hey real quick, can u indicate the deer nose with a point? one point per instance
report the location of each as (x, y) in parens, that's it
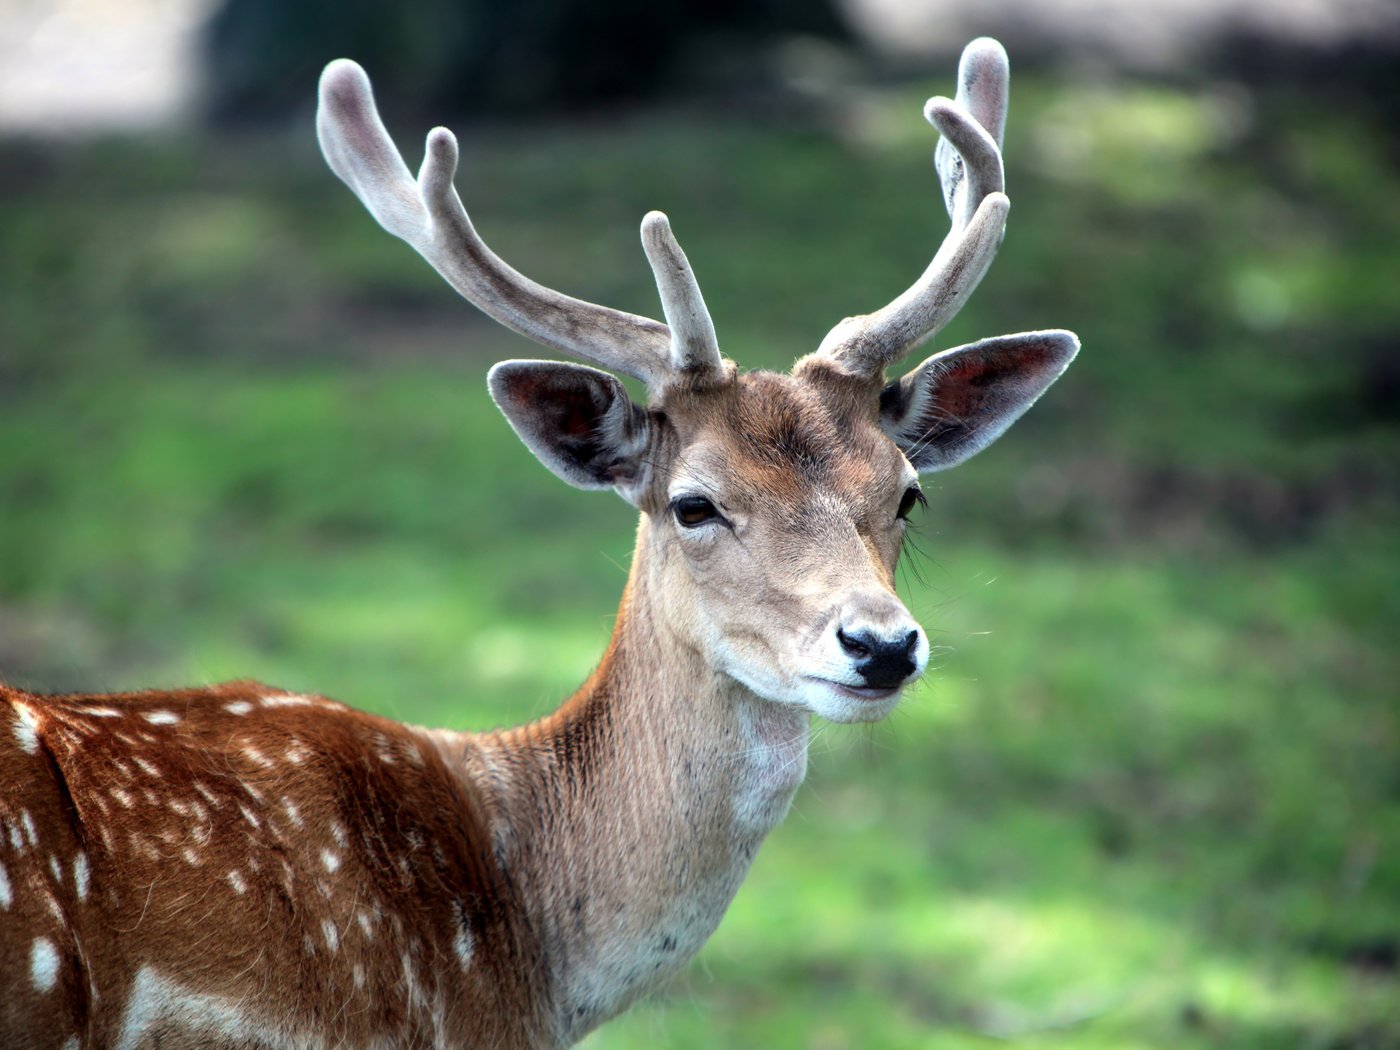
(883, 662)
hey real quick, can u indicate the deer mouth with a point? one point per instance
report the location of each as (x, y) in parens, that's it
(859, 692)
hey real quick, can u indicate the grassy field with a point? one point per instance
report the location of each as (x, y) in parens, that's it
(1150, 795)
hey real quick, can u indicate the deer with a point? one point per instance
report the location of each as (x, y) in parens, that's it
(241, 866)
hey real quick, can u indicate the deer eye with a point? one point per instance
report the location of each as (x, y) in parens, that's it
(693, 511)
(912, 495)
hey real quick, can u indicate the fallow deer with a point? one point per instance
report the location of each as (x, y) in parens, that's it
(239, 866)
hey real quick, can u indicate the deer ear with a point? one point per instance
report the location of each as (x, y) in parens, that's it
(959, 401)
(578, 421)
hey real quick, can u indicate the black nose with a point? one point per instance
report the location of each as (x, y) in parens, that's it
(883, 662)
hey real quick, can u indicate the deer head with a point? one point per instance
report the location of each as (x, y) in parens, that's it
(773, 506)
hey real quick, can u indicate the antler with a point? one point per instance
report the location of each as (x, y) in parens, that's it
(968, 161)
(428, 214)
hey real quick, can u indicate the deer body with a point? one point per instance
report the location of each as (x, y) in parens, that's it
(259, 857)
(266, 854)
(241, 867)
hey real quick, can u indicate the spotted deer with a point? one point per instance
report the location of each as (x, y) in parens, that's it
(236, 866)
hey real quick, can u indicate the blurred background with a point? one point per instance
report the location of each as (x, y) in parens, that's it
(1150, 794)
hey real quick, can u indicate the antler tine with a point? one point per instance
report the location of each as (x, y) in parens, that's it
(968, 161)
(694, 348)
(428, 214)
(984, 77)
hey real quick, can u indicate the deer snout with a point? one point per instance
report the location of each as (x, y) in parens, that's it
(884, 657)
(884, 662)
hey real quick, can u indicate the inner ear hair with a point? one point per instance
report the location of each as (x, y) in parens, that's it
(579, 422)
(959, 401)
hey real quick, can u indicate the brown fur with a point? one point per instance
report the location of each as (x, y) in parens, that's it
(196, 867)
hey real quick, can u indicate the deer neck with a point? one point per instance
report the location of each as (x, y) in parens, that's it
(629, 817)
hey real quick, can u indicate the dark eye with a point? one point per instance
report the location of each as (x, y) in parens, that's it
(692, 511)
(912, 495)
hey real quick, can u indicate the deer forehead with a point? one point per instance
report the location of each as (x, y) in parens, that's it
(793, 442)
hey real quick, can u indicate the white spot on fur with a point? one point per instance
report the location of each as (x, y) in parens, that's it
(338, 833)
(192, 857)
(293, 814)
(27, 729)
(384, 749)
(287, 701)
(410, 979)
(359, 975)
(236, 881)
(238, 707)
(256, 756)
(101, 712)
(296, 752)
(150, 768)
(249, 816)
(331, 935)
(462, 945)
(365, 926)
(56, 868)
(330, 860)
(80, 875)
(205, 793)
(7, 892)
(43, 964)
(122, 796)
(30, 831)
(161, 718)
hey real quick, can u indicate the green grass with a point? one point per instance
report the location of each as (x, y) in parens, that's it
(1149, 796)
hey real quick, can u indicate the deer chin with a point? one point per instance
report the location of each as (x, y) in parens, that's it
(840, 702)
(835, 701)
